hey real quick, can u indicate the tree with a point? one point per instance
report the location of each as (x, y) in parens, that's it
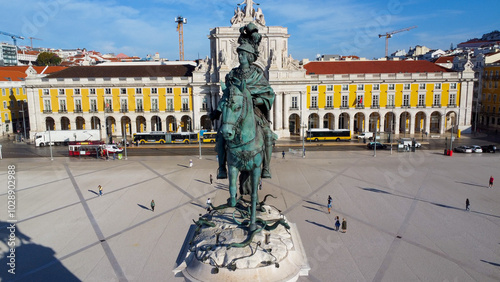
(48, 59)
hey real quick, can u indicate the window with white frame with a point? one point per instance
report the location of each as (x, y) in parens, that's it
(314, 102)
(375, 100)
(407, 86)
(345, 87)
(154, 90)
(44, 91)
(92, 91)
(138, 91)
(184, 90)
(123, 90)
(170, 104)
(376, 87)
(329, 87)
(5, 93)
(61, 91)
(107, 91)
(138, 103)
(421, 86)
(437, 100)
(77, 91)
(78, 105)
(124, 105)
(344, 101)
(359, 100)
(295, 102)
(204, 104)
(421, 100)
(154, 104)
(329, 101)
(5, 104)
(314, 88)
(93, 105)
(47, 107)
(391, 86)
(453, 98)
(62, 105)
(390, 100)
(185, 104)
(109, 105)
(453, 85)
(169, 90)
(406, 100)
(361, 87)
(437, 86)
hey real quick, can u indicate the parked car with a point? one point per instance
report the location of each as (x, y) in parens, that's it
(366, 135)
(489, 148)
(112, 149)
(462, 149)
(377, 144)
(476, 149)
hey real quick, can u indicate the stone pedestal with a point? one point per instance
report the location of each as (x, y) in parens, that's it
(272, 255)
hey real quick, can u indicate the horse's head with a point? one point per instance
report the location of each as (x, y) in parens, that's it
(233, 112)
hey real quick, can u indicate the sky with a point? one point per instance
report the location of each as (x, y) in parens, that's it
(345, 27)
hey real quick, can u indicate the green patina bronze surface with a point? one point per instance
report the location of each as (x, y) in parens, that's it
(244, 141)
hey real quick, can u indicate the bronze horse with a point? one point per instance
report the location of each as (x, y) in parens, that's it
(244, 144)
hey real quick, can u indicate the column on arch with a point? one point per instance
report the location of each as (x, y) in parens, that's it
(286, 109)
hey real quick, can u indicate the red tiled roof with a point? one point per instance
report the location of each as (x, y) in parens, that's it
(360, 67)
(444, 60)
(125, 71)
(11, 75)
(38, 69)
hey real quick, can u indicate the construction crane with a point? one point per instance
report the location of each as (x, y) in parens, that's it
(180, 23)
(388, 35)
(31, 41)
(13, 36)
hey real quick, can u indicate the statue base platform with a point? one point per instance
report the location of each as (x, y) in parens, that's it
(272, 255)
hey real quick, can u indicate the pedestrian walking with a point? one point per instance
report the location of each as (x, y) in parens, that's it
(153, 205)
(491, 181)
(209, 203)
(283, 154)
(329, 205)
(337, 223)
(100, 190)
(211, 179)
(190, 163)
(344, 225)
(467, 205)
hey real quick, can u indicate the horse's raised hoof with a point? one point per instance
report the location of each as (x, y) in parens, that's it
(265, 173)
(232, 201)
(222, 173)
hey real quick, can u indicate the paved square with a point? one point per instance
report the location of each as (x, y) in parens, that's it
(405, 215)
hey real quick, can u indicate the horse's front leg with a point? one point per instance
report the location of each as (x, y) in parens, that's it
(233, 177)
(255, 179)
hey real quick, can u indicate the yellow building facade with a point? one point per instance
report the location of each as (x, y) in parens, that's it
(136, 99)
(489, 113)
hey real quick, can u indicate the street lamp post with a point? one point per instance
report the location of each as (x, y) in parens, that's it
(24, 122)
(303, 141)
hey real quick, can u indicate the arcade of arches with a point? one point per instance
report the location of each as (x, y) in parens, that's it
(397, 123)
(115, 126)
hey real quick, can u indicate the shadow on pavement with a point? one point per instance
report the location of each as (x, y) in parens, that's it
(144, 207)
(320, 225)
(315, 209)
(31, 262)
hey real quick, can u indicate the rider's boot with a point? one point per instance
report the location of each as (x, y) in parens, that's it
(222, 171)
(268, 151)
